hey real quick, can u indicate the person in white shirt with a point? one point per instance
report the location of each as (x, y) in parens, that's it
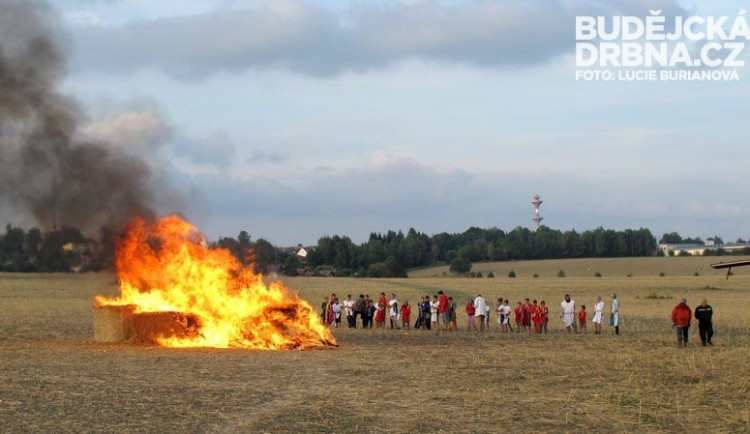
(568, 313)
(506, 316)
(434, 307)
(480, 304)
(336, 307)
(598, 314)
(395, 313)
(615, 313)
(349, 310)
(499, 311)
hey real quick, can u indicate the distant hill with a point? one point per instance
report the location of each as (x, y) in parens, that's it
(588, 267)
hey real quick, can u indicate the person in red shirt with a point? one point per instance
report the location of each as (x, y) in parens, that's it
(536, 317)
(519, 311)
(470, 311)
(528, 310)
(681, 315)
(544, 313)
(380, 313)
(582, 319)
(444, 309)
(405, 314)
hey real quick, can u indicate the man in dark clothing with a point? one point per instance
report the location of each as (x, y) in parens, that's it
(359, 309)
(425, 308)
(703, 314)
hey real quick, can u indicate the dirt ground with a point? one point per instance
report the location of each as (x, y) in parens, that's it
(55, 378)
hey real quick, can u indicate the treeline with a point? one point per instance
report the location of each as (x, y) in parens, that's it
(388, 254)
(64, 249)
(392, 253)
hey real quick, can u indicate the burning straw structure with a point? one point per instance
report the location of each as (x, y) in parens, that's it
(178, 293)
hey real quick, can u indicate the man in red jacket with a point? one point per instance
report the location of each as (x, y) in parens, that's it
(444, 309)
(681, 315)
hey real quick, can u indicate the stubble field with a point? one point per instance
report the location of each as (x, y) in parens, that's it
(55, 378)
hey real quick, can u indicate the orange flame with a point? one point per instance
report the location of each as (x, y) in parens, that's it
(165, 266)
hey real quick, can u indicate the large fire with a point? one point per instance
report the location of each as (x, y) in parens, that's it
(165, 266)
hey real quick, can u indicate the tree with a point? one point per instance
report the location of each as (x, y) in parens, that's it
(696, 240)
(54, 254)
(265, 255)
(671, 238)
(388, 268)
(244, 239)
(460, 265)
(11, 249)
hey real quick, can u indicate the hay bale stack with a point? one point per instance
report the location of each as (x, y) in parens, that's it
(113, 323)
(149, 326)
(121, 324)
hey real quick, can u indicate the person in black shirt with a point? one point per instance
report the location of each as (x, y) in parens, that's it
(425, 309)
(703, 314)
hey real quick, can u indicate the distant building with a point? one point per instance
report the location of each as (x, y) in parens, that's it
(676, 248)
(699, 249)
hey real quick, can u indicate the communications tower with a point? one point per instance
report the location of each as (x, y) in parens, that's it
(536, 202)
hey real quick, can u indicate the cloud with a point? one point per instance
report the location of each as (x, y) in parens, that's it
(715, 209)
(344, 200)
(386, 191)
(215, 149)
(308, 39)
(83, 18)
(136, 132)
(260, 156)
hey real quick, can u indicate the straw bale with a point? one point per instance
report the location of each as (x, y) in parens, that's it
(149, 326)
(113, 323)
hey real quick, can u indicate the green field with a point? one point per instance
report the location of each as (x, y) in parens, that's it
(55, 378)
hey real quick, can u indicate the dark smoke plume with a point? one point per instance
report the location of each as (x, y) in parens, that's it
(44, 169)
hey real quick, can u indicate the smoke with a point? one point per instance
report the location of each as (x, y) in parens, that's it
(45, 170)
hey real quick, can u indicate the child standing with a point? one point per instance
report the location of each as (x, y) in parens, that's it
(453, 306)
(582, 319)
(405, 314)
(544, 312)
(470, 311)
(519, 311)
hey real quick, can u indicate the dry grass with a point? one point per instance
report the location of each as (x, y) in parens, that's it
(608, 267)
(55, 378)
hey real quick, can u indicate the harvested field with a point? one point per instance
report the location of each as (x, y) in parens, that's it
(55, 378)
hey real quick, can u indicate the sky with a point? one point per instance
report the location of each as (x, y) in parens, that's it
(296, 119)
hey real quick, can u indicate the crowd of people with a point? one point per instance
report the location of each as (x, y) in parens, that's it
(438, 312)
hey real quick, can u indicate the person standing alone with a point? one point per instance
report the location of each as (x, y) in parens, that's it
(703, 314)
